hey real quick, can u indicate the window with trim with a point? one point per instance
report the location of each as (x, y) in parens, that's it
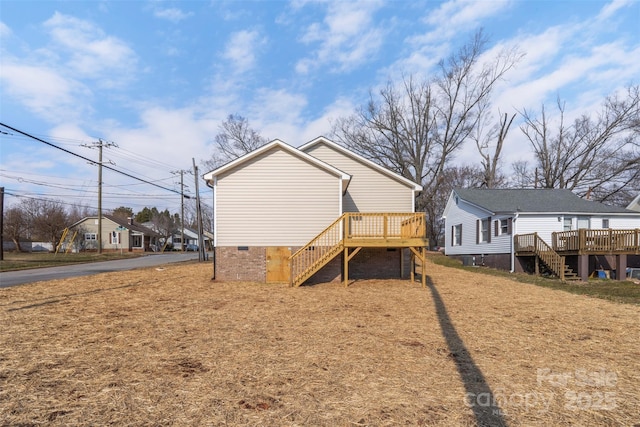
(114, 238)
(90, 236)
(503, 226)
(136, 241)
(484, 231)
(605, 223)
(566, 224)
(456, 235)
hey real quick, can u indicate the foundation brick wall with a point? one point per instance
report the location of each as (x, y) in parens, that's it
(369, 263)
(233, 264)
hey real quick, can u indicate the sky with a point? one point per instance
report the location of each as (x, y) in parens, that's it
(153, 80)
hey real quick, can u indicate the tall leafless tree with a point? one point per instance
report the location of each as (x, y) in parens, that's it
(416, 127)
(236, 138)
(595, 154)
(490, 154)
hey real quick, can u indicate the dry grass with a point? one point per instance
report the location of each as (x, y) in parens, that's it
(170, 347)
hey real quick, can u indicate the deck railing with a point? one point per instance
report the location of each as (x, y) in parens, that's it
(384, 225)
(597, 241)
(532, 243)
(354, 227)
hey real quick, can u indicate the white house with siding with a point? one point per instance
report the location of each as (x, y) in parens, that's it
(274, 200)
(481, 224)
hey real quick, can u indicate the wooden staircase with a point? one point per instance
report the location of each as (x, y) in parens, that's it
(353, 231)
(532, 243)
(309, 259)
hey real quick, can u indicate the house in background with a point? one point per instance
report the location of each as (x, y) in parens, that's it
(309, 214)
(190, 238)
(117, 234)
(515, 229)
(635, 204)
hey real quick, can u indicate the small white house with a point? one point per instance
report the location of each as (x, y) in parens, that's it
(481, 224)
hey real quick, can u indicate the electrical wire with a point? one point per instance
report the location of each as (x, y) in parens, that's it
(87, 159)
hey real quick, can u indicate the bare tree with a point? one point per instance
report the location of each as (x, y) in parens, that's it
(15, 225)
(46, 219)
(235, 139)
(452, 177)
(416, 127)
(491, 159)
(596, 154)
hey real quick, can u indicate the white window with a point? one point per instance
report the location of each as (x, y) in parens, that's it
(605, 223)
(456, 235)
(504, 226)
(484, 230)
(114, 238)
(567, 224)
(90, 236)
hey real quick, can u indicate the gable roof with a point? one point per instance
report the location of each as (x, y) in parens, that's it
(535, 201)
(123, 222)
(635, 204)
(359, 158)
(276, 143)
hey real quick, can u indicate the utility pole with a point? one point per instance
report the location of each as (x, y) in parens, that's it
(198, 215)
(100, 144)
(182, 197)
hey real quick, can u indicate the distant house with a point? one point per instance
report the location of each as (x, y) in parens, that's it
(635, 204)
(515, 229)
(117, 234)
(190, 238)
(314, 213)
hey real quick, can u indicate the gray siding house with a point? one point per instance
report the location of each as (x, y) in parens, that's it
(491, 227)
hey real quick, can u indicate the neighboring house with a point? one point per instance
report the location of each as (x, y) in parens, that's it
(285, 214)
(635, 204)
(117, 234)
(190, 238)
(514, 229)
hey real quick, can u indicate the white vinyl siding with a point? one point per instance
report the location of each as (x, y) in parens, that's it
(275, 199)
(369, 190)
(468, 216)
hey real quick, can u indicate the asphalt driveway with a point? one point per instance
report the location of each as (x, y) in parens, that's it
(12, 278)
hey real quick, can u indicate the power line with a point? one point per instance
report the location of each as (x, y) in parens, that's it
(88, 159)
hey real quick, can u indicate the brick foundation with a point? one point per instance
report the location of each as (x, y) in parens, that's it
(234, 264)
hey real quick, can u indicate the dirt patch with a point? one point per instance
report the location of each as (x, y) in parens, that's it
(171, 347)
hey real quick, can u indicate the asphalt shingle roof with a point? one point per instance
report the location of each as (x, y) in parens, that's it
(534, 200)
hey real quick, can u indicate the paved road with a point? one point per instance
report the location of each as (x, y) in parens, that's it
(12, 278)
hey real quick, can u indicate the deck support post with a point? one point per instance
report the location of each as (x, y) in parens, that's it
(423, 267)
(422, 255)
(536, 268)
(345, 267)
(621, 267)
(583, 267)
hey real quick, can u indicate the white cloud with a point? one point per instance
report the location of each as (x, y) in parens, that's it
(5, 31)
(173, 14)
(91, 54)
(241, 49)
(611, 8)
(44, 91)
(347, 37)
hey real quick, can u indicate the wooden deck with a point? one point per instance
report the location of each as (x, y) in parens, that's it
(579, 244)
(354, 231)
(585, 242)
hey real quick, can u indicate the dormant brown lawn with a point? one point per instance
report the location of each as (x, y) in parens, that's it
(170, 347)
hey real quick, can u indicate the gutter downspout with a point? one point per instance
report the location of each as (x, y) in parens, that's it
(215, 236)
(513, 252)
